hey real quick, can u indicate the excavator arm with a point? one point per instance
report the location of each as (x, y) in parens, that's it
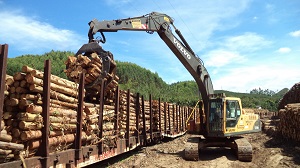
(160, 23)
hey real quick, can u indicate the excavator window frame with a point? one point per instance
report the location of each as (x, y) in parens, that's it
(216, 113)
(233, 112)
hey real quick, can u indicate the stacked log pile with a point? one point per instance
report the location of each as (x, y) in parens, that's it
(23, 108)
(147, 105)
(122, 115)
(292, 96)
(9, 80)
(155, 115)
(170, 117)
(162, 116)
(21, 130)
(92, 129)
(8, 148)
(92, 66)
(289, 124)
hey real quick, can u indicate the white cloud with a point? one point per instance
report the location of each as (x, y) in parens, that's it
(284, 50)
(245, 78)
(246, 42)
(219, 58)
(31, 35)
(295, 33)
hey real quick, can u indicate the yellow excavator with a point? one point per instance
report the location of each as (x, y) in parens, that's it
(222, 119)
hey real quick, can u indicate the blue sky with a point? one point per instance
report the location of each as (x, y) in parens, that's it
(243, 44)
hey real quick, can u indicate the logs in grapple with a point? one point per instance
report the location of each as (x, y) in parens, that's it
(96, 68)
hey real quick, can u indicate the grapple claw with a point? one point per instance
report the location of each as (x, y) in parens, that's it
(90, 48)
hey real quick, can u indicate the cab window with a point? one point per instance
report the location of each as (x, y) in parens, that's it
(215, 111)
(233, 112)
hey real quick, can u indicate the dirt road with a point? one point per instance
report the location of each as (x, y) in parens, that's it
(267, 152)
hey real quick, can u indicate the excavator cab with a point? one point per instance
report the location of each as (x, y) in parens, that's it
(226, 122)
(226, 117)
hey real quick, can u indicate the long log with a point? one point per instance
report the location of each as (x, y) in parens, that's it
(94, 110)
(53, 94)
(30, 125)
(7, 157)
(38, 100)
(29, 117)
(60, 126)
(54, 79)
(5, 152)
(54, 119)
(10, 145)
(35, 109)
(36, 134)
(54, 141)
(62, 89)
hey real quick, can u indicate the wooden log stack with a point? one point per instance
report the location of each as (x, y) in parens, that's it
(9, 80)
(147, 118)
(23, 108)
(92, 66)
(155, 115)
(162, 116)
(171, 112)
(91, 126)
(292, 96)
(122, 115)
(289, 124)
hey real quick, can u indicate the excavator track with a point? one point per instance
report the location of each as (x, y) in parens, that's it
(191, 151)
(243, 149)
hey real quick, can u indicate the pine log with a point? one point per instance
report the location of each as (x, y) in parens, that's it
(30, 125)
(54, 119)
(10, 145)
(29, 117)
(7, 157)
(5, 152)
(5, 137)
(21, 90)
(54, 79)
(36, 134)
(53, 94)
(19, 76)
(60, 126)
(11, 102)
(53, 141)
(15, 133)
(35, 109)
(62, 89)
(9, 80)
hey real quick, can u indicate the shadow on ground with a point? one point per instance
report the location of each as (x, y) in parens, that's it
(289, 147)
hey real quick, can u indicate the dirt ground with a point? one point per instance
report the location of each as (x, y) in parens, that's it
(268, 152)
